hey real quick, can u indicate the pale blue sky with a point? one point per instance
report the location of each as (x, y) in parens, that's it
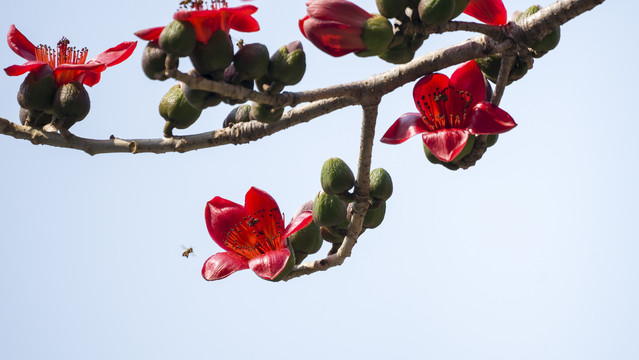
(530, 255)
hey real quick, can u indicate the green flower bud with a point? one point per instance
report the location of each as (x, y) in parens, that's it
(392, 8)
(467, 148)
(433, 159)
(549, 41)
(492, 140)
(265, 113)
(307, 240)
(34, 118)
(381, 184)
(238, 115)
(37, 90)
(398, 55)
(436, 12)
(154, 60)
(252, 60)
(330, 235)
(377, 33)
(177, 111)
(288, 64)
(178, 38)
(201, 99)
(490, 66)
(71, 103)
(460, 6)
(328, 210)
(215, 55)
(374, 217)
(300, 256)
(336, 177)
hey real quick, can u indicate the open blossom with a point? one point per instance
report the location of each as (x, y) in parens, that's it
(492, 12)
(334, 26)
(67, 63)
(450, 110)
(253, 236)
(207, 21)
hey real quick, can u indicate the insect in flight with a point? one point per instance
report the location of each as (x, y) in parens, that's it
(187, 252)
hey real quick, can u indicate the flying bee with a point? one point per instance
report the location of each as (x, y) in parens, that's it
(187, 252)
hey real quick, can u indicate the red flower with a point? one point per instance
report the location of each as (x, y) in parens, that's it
(334, 26)
(67, 63)
(450, 110)
(253, 236)
(491, 12)
(208, 21)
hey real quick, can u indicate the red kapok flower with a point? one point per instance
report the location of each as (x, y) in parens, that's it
(450, 110)
(253, 236)
(492, 12)
(67, 63)
(334, 26)
(208, 21)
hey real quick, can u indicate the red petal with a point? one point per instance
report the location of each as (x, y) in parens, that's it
(222, 265)
(221, 216)
(407, 126)
(20, 44)
(491, 12)
(240, 18)
(269, 265)
(91, 78)
(152, 34)
(446, 144)
(301, 25)
(489, 119)
(66, 73)
(257, 200)
(15, 70)
(339, 11)
(333, 38)
(116, 54)
(426, 86)
(468, 77)
(297, 223)
(205, 22)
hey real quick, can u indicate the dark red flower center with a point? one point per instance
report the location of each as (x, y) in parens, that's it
(203, 5)
(446, 108)
(62, 55)
(256, 234)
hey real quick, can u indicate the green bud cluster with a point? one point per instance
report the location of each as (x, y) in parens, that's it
(43, 102)
(548, 42)
(333, 206)
(216, 60)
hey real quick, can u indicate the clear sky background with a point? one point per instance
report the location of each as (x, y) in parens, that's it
(529, 255)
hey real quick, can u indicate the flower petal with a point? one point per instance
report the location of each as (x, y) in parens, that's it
(66, 73)
(340, 11)
(116, 54)
(489, 119)
(152, 34)
(468, 77)
(492, 12)
(333, 38)
(221, 216)
(20, 44)
(446, 144)
(407, 126)
(297, 223)
(222, 265)
(259, 201)
(425, 88)
(239, 18)
(16, 70)
(269, 265)
(205, 22)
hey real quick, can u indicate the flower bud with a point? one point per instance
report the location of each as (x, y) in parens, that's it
(238, 115)
(37, 90)
(436, 12)
(492, 140)
(377, 33)
(178, 38)
(154, 60)
(549, 41)
(252, 60)
(381, 184)
(328, 210)
(177, 111)
(288, 64)
(490, 66)
(307, 240)
(215, 55)
(392, 8)
(71, 103)
(265, 113)
(374, 216)
(331, 235)
(201, 99)
(34, 118)
(336, 177)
